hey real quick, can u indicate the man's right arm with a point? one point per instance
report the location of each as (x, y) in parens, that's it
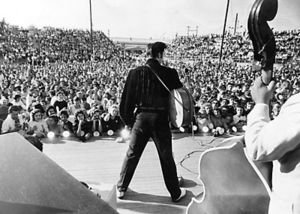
(128, 98)
(270, 140)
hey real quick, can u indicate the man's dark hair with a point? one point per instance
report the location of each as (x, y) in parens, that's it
(64, 113)
(149, 46)
(156, 48)
(13, 108)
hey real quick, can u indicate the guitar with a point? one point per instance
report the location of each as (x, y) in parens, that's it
(233, 184)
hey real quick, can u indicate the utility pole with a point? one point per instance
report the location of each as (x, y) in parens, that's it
(224, 30)
(91, 33)
(189, 29)
(235, 23)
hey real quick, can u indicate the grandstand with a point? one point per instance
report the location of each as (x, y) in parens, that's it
(135, 44)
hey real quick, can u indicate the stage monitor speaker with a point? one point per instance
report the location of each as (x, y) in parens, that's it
(31, 183)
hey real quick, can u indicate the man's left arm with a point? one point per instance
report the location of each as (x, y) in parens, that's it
(174, 80)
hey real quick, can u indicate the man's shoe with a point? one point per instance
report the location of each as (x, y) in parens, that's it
(120, 194)
(183, 193)
(180, 180)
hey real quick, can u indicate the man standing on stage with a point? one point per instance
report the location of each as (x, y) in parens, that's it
(144, 107)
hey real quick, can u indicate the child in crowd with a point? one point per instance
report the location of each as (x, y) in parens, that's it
(112, 121)
(37, 124)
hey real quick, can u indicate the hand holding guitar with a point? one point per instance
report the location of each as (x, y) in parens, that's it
(262, 93)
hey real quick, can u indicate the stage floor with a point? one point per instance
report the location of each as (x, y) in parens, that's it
(99, 161)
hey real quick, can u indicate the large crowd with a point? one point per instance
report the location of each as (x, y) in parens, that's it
(59, 84)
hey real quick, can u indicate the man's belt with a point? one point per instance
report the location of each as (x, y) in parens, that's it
(151, 109)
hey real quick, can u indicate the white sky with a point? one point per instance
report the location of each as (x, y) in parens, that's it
(141, 18)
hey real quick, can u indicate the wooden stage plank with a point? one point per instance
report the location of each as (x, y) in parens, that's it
(100, 161)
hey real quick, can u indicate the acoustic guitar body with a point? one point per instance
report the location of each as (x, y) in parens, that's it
(232, 183)
(181, 107)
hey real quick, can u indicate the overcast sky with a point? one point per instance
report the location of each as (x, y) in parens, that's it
(142, 18)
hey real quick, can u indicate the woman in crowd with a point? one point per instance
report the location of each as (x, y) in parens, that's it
(37, 124)
(64, 123)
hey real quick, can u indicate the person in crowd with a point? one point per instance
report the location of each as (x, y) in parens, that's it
(239, 120)
(275, 110)
(208, 109)
(31, 97)
(203, 121)
(65, 124)
(75, 106)
(248, 107)
(144, 107)
(53, 124)
(97, 123)
(112, 121)
(215, 104)
(18, 102)
(13, 123)
(82, 127)
(37, 124)
(52, 120)
(3, 110)
(50, 111)
(227, 113)
(90, 97)
(85, 105)
(60, 104)
(53, 97)
(218, 122)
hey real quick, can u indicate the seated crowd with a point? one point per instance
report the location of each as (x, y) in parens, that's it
(58, 89)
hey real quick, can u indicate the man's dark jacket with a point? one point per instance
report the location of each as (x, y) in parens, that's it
(144, 91)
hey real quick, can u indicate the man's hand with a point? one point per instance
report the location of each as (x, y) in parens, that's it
(262, 93)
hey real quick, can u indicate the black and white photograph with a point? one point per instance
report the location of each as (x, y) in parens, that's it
(150, 107)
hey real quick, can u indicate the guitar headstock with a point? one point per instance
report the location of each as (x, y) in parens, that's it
(261, 35)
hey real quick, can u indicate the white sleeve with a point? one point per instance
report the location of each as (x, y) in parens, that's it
(5, 127)
(270, 140)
